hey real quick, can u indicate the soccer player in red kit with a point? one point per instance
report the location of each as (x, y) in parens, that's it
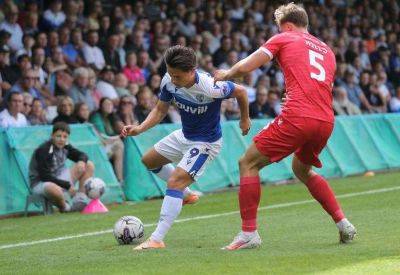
(304, 126)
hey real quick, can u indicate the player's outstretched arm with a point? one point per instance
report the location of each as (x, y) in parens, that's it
(240, 94)
(244, 66)
(155, 117)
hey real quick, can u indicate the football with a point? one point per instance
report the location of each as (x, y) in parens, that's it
(129, 230)
(95, 188)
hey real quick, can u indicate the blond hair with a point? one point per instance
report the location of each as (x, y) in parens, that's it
(292, 13)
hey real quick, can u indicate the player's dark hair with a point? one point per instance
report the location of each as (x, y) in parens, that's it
(180, 57)
(61, 126)
(292, 13)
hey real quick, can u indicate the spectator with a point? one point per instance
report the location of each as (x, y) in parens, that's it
(125, 110)
(105, 86)
(145, 64)
(65, 110)
(145, 104)
(31, 23)
(395, 102)
(260, 107)
(50, 177)
(154, 83)
(93, 55)
(354, 92)
(371, 91)
(132, 71)
(96, 95)
(38, 59)
(109, 126)
(27, 41)
(110, 51)
(28, 100)
(10, 25)
(54, 17)
(28, 83)
(342, 105)
(5, 70)
(80, 91)
(37, 115)
(221, 55)
(12, 116)
(121, 85)
(82, 112)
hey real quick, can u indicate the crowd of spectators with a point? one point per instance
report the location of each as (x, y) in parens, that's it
(101, 62)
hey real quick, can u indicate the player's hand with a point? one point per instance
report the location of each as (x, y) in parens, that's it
(130, 130)
(220, 75)
(245, 125)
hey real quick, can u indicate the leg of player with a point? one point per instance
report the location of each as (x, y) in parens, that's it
(170, 209)
(249, 198)
(55, 194)
(162, 167)
(322, 192)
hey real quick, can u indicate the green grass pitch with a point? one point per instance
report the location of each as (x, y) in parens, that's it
(298, 237)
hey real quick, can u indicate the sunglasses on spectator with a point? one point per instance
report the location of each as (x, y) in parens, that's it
(27, 104)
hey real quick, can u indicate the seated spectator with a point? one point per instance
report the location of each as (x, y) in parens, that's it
(65, 110)
(145, 64)
(395, 102)
(260, 107)
(232, 111)
(375, 96)
(57, 61)
(27, 41)
(38, 60)
(104, 85)
(93, 55)
(50, 177)
(342, 105)
(121, 84)
(82, 112)
(28, 100)
(80, 91)
(109, 126)
(5, 83)
(54, 17)
(274, 103)
(96, 95)
(28, 84)
(145, 103)
(354, 92)
(132, 71)
(13, 73)
(37, 115)
(11, 25)
(12, 116)
(110, 51)
(125, 110)
(154, 83)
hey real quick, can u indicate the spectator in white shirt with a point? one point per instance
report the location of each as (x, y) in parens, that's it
(12, 116)
(54, 17)
(105, 87)
(11, 26)
(92, 54)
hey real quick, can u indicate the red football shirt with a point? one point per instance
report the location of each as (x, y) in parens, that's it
(308, 65)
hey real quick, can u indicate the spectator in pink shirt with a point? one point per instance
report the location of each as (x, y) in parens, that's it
(132, 71)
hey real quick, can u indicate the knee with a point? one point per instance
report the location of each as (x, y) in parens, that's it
(89, 167)
(302, 173)
(242, 163)
(52, 190)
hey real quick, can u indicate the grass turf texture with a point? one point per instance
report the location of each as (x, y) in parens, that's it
(296, 239)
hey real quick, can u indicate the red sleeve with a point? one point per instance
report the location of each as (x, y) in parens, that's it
(274, 44)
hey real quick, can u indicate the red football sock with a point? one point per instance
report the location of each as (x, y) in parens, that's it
(322, 192)
(249, 198)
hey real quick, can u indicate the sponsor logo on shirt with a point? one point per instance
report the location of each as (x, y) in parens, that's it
(192, 110)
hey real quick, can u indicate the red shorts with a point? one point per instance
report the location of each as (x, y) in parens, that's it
(304, 136)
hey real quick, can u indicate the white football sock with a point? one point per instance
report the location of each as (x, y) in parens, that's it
(170, 209)
(165, 173)
(342, 224)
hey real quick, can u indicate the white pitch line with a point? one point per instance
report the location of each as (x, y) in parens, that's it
(280, 205)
